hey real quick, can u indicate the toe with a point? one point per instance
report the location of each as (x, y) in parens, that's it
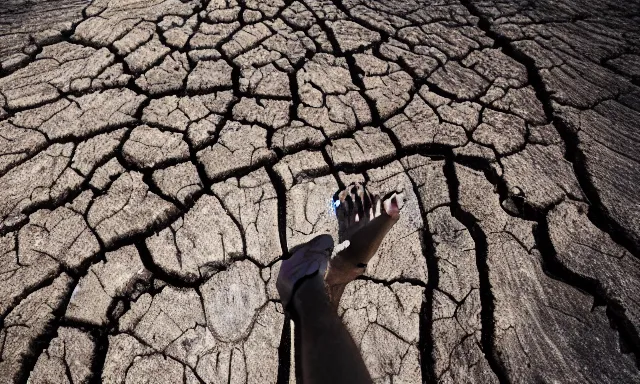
(376, 205)
(352, 205)
(343, 209)
(372, 206)
(392, 206)
(366, 204)
(359, 207)
(340, 208)
(363, 204)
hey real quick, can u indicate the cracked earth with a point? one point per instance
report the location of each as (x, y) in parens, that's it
(159, 158)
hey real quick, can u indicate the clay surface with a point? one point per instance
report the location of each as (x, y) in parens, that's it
(159, 159)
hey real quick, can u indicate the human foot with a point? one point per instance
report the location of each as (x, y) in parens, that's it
(307, 260)
(364, 219)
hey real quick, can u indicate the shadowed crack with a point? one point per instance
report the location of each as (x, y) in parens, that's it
(628, 334)
(599, 213)
(426, 310)
(486, 295)
(284, 352)
(281, 192)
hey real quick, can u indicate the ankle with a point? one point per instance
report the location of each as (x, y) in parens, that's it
(344, 268)
(311, 298)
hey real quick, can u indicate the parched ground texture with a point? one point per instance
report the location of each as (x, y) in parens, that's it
(159, 157)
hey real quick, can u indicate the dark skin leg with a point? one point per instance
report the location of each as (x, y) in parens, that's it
(329, 354)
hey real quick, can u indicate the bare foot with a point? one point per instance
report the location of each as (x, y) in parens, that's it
(307, 259)
(364, 219)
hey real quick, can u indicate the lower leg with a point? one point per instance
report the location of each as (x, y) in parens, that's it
(329, 354)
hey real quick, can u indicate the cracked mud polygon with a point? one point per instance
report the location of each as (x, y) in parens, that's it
(158, 158)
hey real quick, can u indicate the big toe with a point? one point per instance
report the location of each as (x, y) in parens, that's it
(392, 207)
